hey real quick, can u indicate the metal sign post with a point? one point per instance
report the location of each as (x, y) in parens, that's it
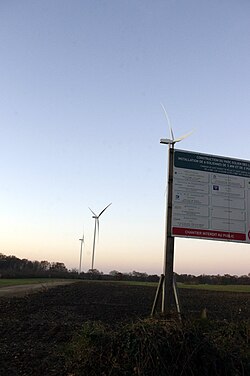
(167, 287)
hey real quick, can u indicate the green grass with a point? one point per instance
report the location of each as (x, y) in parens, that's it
(229, 288)
(26, 281)
(137, 283)
(127, 283)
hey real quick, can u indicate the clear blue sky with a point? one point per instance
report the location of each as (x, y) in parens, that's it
(81, 85)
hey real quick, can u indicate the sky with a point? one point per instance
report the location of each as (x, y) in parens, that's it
(81, 88)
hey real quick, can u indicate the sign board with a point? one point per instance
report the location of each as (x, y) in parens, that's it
(211, 197)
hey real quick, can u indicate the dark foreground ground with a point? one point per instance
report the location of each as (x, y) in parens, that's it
(34, 329)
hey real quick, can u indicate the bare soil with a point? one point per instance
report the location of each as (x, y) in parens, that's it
(36, 327)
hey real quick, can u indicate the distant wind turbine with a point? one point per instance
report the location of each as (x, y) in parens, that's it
(96, 218)
(82, 242)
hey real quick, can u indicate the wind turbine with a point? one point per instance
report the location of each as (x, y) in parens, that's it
(96, 218)
(171, 141)
(167, 281)
(82, 242)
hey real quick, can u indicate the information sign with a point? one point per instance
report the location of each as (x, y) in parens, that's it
(211, 197)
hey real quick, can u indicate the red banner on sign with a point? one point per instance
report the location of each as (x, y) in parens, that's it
(208, 234)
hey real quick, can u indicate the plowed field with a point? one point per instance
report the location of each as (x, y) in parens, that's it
(35, 328)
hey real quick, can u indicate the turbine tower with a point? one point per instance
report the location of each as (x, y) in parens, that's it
(96, 218)
(168, 272)
(80, 262)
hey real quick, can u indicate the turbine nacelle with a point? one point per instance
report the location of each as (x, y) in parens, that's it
(166, 141)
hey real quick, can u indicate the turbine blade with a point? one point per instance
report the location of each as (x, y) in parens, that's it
(169, 123)
(104, 210)
(184, 136)
(92, 212)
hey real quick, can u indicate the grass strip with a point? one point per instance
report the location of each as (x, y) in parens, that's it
(27, 281)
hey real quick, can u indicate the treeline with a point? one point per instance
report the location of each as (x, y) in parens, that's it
(225, 279)
(218, 279)
(14, 267)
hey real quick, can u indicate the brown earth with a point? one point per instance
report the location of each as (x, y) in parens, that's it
(36, 327)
